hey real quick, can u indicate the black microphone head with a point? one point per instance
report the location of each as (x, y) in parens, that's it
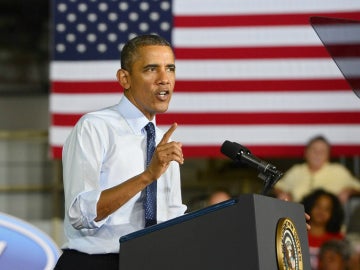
(230, 149)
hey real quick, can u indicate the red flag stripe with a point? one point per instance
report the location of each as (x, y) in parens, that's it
(332, 118)
(251, 53)
(319, 20)
(291, 151)
(210, 86)
(267, 52)
(256, 20)
(56, 151)
(352, 50)
(263, 85)
(85, 87)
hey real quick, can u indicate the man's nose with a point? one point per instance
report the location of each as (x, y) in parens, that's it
(163, 77)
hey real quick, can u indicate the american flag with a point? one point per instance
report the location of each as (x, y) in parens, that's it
(249, 71)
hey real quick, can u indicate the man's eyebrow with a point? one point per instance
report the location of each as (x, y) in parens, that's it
(151, 66)
(157, 65)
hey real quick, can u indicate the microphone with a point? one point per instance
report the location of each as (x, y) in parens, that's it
(268, 172)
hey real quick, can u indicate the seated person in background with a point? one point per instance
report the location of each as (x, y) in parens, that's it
(326, 218)
(218, 195)
(336, 255)
(317, 172)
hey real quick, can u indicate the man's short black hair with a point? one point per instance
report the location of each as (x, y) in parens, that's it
(130, 50)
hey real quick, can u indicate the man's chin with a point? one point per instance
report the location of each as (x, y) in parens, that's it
(162, 109)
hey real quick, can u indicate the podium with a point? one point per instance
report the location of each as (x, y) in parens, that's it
(250, 232)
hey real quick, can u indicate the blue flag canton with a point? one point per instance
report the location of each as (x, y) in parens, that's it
(98, 29)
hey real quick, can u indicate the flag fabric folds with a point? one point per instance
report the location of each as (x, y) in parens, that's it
(250, 71)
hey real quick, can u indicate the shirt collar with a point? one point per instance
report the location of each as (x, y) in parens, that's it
(133, 116)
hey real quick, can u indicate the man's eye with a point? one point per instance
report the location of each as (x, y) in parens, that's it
(171, 69)
(150, 69)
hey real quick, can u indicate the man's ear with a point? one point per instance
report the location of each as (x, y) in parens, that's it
(123, 78)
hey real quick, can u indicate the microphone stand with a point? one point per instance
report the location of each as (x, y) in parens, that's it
(270, 178)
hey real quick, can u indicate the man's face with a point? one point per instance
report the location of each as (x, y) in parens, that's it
(151, 80)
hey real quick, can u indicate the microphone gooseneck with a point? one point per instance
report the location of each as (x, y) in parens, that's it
(239, 153)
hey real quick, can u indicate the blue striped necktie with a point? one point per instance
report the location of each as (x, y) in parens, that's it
(150, 190)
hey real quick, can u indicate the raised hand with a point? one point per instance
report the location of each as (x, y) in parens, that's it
(164, 153)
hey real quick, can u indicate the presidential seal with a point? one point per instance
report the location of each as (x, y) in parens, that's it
(288, 248)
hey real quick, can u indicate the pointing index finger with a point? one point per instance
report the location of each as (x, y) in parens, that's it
(168, 134)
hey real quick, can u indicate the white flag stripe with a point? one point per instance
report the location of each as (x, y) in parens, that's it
(81, 103)
(58, 135)
(204, 7)
(275, 134)
(84, 70)
(247, 134)
(222, 102)
(257, 69)
(265, 102)
(245, 37)
(208, 69)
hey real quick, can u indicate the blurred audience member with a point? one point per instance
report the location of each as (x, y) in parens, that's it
(353, 225)
(337, 255)
(326, 219)
(218, 195)
(353, 235)
(317, 172)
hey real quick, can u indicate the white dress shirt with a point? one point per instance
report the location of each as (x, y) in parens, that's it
(104, 149)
